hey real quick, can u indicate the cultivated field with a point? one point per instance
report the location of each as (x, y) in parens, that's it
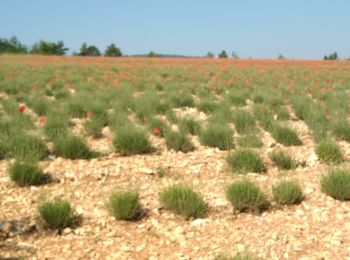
(131, 158)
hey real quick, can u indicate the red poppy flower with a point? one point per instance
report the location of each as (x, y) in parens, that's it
(156, 131)
(21, 108)
(42, 120)
(89, 114)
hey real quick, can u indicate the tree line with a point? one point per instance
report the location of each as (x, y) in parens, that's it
(14, 46)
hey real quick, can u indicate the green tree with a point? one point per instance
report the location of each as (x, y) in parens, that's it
(223, 54)
(210, 55)
(49, 48)
(12, 45)
(235, 55)
(332, 56)
(113, 51)
(91, 50)
(152, 54)
(280, 57)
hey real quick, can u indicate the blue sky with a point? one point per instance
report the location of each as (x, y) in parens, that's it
(251, 28)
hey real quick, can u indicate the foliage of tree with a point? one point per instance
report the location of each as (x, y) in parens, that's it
(223, 54)
(210, 55)
(49, 48)
(12, 45)
(113, 51)
(281, 57)
(332, 56)
(152, 54)
(235, 55)
(91, 50)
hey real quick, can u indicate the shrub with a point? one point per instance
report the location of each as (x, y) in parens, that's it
(301, 107)
(25, 147)
(216, 135)
(189, 125)
(282, 113)
(94, 127)
(282, 160)
(342, 132)
(77, 107)
(337, 184)
(258, 98)
(4, 150)
(222, 115)
(155, 122)
(39, 106)
(178, 141)
(130, 141)
(286, 136)
(265, 117)
(207, 105)
(245, 196)
(244, 161)
(244, 122)
(237, 99)
(56, 214)
(56, 126)
(329, 152)
(250, 141)
(124, 205)
(180, 99)
(25, 173)
(184, 201)
(119, 120)
(288, 192)
(72, 147)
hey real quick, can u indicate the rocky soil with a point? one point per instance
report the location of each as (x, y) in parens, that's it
(318, 228)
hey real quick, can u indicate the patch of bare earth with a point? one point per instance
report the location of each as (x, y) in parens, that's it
(318, 228)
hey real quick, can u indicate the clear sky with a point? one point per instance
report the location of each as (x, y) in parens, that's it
(251, 28)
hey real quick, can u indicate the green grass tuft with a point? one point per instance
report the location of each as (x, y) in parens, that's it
(245, 196)
(189, 125)
(288, 192)
(286, 136)
(329, 152)
(244, 161)
(25, 173)
(124, 205)
(342, 132)
(250, 141)
(337, 184)
(282, 160)
(73, 147)
(244, 122)
(217, 135)
(26, 147)
(129, 141)
(178, 141)
(56, 214)
(184, 201)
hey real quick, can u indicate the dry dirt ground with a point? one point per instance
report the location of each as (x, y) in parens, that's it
(318, 228)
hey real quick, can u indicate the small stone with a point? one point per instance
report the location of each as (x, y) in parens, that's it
(6, 227)
(141, 226)
(241, 247)
(300, 212)
(140, 248)
(336, 242)
(67, 231)
(199, 222)
(145, 170)
(178, 231)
